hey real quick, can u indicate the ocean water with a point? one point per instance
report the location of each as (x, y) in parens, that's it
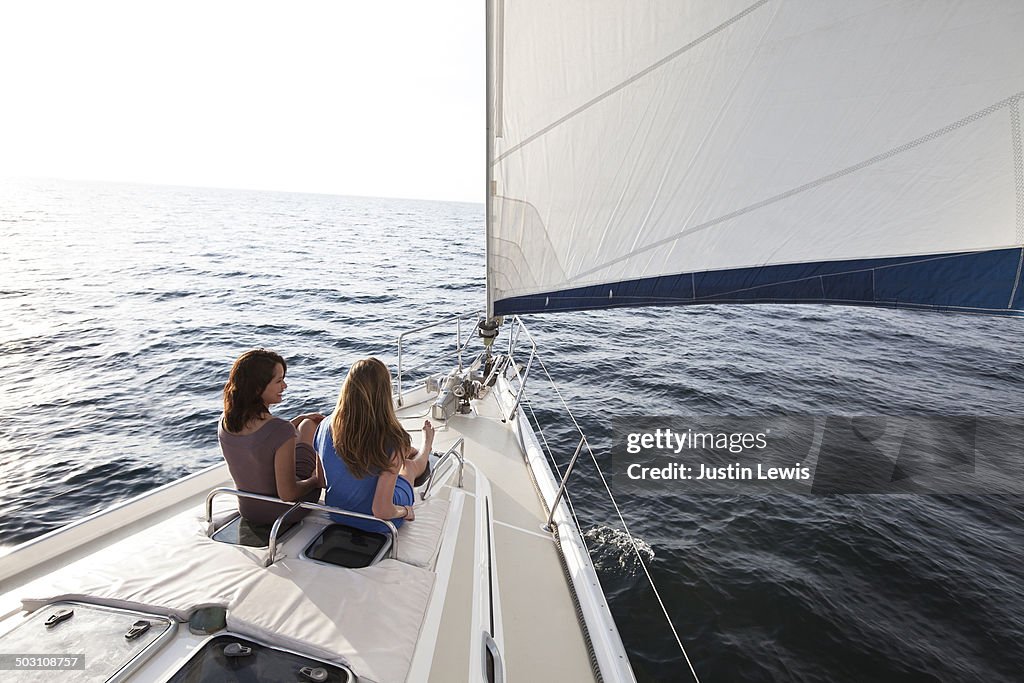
(122, 307)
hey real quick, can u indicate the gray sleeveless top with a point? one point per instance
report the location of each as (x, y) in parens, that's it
(250, 459)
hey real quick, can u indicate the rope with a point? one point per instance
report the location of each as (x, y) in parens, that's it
(622, 520)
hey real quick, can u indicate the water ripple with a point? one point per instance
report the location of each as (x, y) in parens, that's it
(114, 357)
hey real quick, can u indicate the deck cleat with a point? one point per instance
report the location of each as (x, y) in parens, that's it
(237, 650)
(137, 629)
(59, 616)
(318, 674)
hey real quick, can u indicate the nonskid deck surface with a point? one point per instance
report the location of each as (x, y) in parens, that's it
(534, 609)
(440, 608)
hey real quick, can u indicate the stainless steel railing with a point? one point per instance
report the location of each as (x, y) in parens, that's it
(513, 342)
(460, 455)
(459, 346)
(565, 480)
(516, 331)
(301, 505)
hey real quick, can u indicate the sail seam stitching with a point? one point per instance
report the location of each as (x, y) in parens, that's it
(632, 79)
(884, 156)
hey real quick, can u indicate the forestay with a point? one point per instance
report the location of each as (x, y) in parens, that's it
(671, 152)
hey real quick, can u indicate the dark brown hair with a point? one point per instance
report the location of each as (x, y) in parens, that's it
(365, 430)
(243, 393)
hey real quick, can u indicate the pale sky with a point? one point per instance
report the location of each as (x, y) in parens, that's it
(369, 98)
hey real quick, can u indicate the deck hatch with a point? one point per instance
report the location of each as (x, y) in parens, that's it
(347, 546)
(240, 531)
(111, 643)
(232, 658)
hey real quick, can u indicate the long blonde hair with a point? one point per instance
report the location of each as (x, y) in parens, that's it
(365, 430)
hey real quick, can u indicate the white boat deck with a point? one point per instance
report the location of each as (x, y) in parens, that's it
(474, 562)
(534, 612)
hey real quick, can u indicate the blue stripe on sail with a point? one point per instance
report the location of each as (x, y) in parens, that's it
(973, 282)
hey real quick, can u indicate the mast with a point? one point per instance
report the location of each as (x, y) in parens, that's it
(489, 107)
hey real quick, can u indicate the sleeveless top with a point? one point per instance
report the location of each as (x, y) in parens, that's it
(250, 459)
(349, 493)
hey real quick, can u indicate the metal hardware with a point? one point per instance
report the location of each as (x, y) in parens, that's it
(237, 650)
(318, 674)
(237, 494)
(499, 364)
(499, 666)
(565, 479)
(460, 455)
(137, 629)
(513, 341)
(529, 364)
(58, 616)
(488, 331)
(301, 505)
(458, 322)
(274, 531)
(272, 550)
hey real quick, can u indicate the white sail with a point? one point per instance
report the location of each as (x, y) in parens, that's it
(673, 152)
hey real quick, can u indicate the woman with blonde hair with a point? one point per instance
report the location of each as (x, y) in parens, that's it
(265, 454)
(367, 455)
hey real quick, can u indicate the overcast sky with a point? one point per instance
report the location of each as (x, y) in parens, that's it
(342, 97)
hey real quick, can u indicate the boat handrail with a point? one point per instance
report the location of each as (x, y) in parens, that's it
(513, 341)
(301, 505)
(447, 455)
(457, 319)
(499, 666)
(565, 480)
(584, 444)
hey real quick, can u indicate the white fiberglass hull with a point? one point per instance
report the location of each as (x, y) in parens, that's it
(478, 588)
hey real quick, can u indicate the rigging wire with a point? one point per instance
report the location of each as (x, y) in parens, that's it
(622, 520)
(551, 458)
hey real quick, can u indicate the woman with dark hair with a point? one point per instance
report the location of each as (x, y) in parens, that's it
(265, 454)
(367, 455)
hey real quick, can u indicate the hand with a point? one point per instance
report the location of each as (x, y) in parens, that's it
(411, 514)
(315, 418)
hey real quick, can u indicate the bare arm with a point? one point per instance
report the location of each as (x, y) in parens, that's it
(426, 446)
(384, 498)
(288, 487)
(321, 478)
(316, 418)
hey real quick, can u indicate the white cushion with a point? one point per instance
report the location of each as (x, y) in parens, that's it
(173, 568)
(368, 619)
(420, 539)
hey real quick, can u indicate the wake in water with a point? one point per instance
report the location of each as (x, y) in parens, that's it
(121, 308)
(614, 551)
